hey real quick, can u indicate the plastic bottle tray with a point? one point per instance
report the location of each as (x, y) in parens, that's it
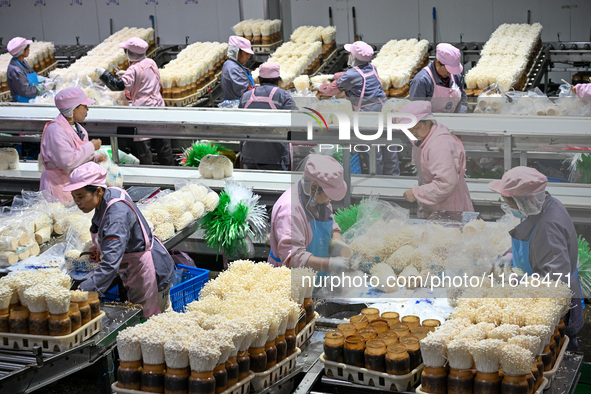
(366, 377)
(263, 380)
(307, 332)
(242, 387)
(268, 48)
(51, 344)
(551, 374)
(193, 98)
(540, 389)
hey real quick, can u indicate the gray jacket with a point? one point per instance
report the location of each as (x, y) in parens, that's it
(351, 82)
(235, 80)
(17, 80)
(554, 249)
(254, 152)
(121, 233)
(421, 87)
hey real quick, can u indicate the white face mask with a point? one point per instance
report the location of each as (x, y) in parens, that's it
(350, 61)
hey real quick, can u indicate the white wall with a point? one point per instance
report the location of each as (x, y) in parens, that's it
(378, 20)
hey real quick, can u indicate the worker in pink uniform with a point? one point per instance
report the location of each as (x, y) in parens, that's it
(302, 222)
(442, 82)
(441, 163)
(64, 143)
(141, 83)
(124, 245)
(583, 90)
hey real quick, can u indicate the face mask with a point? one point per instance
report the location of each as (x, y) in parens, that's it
(350, 61)
(517, 213)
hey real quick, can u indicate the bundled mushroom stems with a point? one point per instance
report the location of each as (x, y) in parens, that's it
(41, 303)
(504, 57)
(397, 63)
(194, 67)
(382, 341)
(41, 56)
(174, 211)
(245, 320)
(259, 31)
(509, 335)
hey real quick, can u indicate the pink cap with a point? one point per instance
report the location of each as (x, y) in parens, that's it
(17, 44)
(520, 181)
(328, 174)
(449, 56)
(71, 97)
(269, 70)
(420, 109)
(360, 50)
(87, 174)
(135, 45)
(240, 42)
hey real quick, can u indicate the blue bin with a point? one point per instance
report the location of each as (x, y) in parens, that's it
(193, 280)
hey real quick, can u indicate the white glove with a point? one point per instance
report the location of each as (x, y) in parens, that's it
(120, 73)
(99, 71)
(41, 78)
(338, 264)
(316, 85)
(40, 89)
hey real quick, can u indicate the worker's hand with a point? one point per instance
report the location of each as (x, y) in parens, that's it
(101, 157)
(409, 196)
(99, 71)
(574, 89)
(94, 254)
(41, 78)
(120, 73)
(316, 85)
(97, 143)
(338, 264)
(40, 89)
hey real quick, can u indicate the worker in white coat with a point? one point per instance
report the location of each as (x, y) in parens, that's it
(141, 82)
(440, 160)
(302, 221)
(545, 242)
(23, 82)
(236, 77)
(64, 143)
(442, 82)
(362, 86)
(123, 242)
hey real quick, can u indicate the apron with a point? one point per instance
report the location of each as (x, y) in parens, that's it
(441, 93)
(33, 80)
(362, 95)
(137, 269)
(154, 96)
(57, 178)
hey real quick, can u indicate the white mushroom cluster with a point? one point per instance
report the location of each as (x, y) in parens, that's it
(259, 31)
(397, 60)
(504, 57)
(194, 67)
(294, 59)
(308, 34)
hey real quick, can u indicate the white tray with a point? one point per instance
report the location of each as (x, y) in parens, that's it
(540, 389)
(307, 332)
(366, 377)
(551, 374)
(242, 387)
(51, 344)
(263, 380)
(268, 48)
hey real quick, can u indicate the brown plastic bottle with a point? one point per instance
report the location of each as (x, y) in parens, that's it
(243, 360)
(302, 321)
(401, 330)
(221, 377)
(281, 345)
(291, 341)
(18, 320)
(411, 321)
(431, 324)
(232, 369)
(371, 313)
(60, 325)
(414, 350)
(397, 360)
(84, 311)
(389, 337)
(334, 342)
(94, 303)
(4, 320)
(514, 384)
(39, 323)
(368, 333)
(309, 308)
(420, 332)
(353, 351)
(201, 383)
(258, 359)
(391, 317)
(129, 375)
(347, 329)
(547, 358)
(153, 378)
(359, 321)
(487, 383)
(75, 317)
(176, 381)
(434, 380)
(271, 351)
(460, 381)
(380, 325)
(375, 355)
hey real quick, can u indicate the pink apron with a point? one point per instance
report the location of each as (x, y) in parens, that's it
(362, 95)
(444, 99)
(459, 199)
(55, 179)
(262, 99)
(137, 269)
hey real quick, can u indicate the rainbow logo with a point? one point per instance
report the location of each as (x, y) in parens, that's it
(316, 118)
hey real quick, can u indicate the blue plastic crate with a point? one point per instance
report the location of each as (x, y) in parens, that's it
(187, 291)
